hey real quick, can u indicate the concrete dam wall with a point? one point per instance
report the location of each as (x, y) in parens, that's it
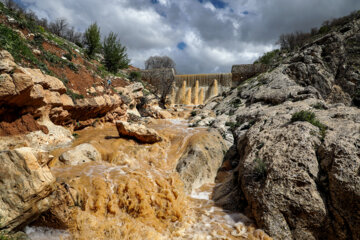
(195, 89)
(198, 88)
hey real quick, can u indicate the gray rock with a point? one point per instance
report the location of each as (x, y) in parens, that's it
(80, 154)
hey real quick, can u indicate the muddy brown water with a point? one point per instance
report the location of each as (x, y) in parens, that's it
(135, 192)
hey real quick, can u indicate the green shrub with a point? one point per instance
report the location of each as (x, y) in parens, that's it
(260, 169)
(307, 116)
(135, 76)
(324, 29)
(269, 57)
(236, 103)
(318, 106)
(193, 113)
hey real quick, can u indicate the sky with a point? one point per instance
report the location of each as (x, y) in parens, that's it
(201, 36)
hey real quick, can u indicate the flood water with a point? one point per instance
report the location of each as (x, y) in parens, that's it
(135, 192)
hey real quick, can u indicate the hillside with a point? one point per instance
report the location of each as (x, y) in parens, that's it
(33, 46)
(69, 88)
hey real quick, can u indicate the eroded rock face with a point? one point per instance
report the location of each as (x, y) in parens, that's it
(296, 181)
(201, 160)
(138, 132)
(26, 184)
(82, 153)
(25, 91)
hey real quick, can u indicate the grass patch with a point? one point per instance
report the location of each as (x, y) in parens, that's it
(13, 43)
(307, 116)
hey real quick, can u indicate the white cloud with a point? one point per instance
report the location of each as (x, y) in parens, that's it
(215, 38)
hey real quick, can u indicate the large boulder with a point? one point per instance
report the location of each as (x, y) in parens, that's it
(80, 154)
(201, 160)
(138, 132)
(26, 183)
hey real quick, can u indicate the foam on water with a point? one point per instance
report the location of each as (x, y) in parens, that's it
(43, 233)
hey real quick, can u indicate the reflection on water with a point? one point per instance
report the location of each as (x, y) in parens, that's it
(136, 194)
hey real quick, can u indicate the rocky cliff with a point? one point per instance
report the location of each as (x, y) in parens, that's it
(294, 165)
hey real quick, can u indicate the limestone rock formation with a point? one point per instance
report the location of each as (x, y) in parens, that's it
(29, 92)
(82, 153)
(138, 132)
(297, 179)
(201, 160)
(26, 183)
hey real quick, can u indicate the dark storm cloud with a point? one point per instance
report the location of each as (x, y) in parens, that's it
(200, 35)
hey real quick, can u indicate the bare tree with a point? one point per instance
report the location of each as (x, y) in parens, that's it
(165, 78)
(10, 4)
(59, 26)
(156, 62)
(31, 15)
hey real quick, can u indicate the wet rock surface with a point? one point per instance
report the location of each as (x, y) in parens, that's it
(138, 132)
(82, 153)
(201, 160)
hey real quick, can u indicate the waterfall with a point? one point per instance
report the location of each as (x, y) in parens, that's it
(196, 93)
(188, 97)
(201, 96)
(197, 88)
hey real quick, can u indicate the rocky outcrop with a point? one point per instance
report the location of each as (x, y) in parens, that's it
(292, 178)
(82, 153)
(138, 132)
(26, 185)
(201, 160)
(297, 179)
(29, 94)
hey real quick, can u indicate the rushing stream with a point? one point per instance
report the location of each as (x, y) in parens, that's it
(135, 193)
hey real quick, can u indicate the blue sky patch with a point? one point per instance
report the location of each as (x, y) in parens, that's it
(245, 12)
(216, 3)
(181, 45)
(154, 1)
